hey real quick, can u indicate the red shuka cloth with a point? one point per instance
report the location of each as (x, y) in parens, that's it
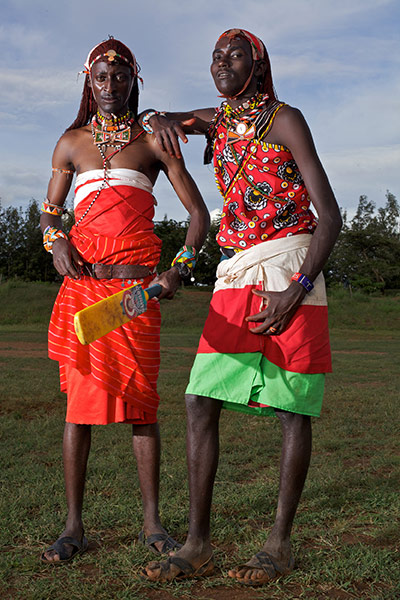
(121, 367)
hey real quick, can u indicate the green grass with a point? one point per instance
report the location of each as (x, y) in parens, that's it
(26, 303)
(346, 534)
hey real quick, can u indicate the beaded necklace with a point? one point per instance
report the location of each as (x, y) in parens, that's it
(120, 125)
(114, 121)
(262, 123)
(108, 131)
(237, 123)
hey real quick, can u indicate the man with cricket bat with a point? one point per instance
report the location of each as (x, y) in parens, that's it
(111, 247)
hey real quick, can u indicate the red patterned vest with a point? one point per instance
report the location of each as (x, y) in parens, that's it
(264, 193)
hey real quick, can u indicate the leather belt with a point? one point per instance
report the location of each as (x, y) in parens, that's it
(100, 271)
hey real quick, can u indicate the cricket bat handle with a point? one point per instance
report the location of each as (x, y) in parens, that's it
(153, 291)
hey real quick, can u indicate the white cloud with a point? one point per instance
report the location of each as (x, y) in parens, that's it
(17, 39)
(370, 170)
(19, 181)
(37, 90)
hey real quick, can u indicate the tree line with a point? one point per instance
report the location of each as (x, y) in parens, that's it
(366, 256)
(22, 254)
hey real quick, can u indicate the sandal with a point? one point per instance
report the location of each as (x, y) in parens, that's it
(169, 544)
(64, 556)
(186, 570)
(262, 561)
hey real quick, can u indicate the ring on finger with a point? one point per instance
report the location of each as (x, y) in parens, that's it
(272, 329)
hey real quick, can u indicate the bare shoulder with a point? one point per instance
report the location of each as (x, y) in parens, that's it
(289, 128)
(153, 153)
(149, 145)
(288, 117)
(69, 142)
(74, 137)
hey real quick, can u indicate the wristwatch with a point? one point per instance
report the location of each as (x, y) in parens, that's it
(184, 271)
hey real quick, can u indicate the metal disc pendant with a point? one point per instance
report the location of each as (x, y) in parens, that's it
(241, 129)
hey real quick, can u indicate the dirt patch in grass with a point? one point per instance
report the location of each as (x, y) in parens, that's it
(274, 591)
(174, 370)
(91, 571)
(239, 592)
(188, 349)
(28, 411)
(362, 462)
(367, 352)
(338, 594)
(358, 538)
(20, 349)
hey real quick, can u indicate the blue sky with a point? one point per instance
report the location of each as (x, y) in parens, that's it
(336, 60)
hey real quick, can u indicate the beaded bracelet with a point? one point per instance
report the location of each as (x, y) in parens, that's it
(187, 256)
(50, 235)
(52, 209)
(59, 170)
(303, 280)
(145, 120)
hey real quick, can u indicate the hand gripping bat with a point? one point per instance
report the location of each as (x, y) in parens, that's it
(100, 318)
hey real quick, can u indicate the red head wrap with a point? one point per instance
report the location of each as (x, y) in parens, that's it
(257, 47)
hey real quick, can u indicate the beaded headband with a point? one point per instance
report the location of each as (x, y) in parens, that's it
(111, 55)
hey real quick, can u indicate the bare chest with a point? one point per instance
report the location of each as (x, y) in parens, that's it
(136, 155)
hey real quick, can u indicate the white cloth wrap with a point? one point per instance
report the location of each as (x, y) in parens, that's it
(272, 264)
(91, 181)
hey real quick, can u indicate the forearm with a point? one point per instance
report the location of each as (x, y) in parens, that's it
(321, 246)
(171, 279)
(281, 306)
(190, 196)
(47, 220)
(198, 228)
(194, 121)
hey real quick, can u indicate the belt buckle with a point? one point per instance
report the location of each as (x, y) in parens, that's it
(93, 270)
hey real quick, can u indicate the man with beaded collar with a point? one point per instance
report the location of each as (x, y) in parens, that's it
(273, 250)
(112, 245)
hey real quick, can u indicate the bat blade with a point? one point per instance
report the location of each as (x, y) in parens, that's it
(104, 316)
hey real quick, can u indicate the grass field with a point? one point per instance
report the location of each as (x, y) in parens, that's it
(346, 535)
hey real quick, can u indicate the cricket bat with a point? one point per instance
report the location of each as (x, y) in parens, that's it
(100, 318)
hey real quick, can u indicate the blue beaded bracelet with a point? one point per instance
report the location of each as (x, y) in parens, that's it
(303, 280)
(145, 121)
